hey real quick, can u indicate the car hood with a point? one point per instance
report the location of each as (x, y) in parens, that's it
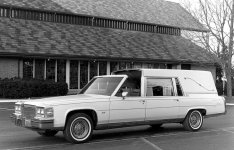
(71, 99)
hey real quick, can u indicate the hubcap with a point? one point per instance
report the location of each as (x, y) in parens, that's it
(195, 120)
(80, 128)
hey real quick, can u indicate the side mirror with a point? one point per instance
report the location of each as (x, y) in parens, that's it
(124, 94)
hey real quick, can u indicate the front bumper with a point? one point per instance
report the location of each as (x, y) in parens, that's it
(43, 124)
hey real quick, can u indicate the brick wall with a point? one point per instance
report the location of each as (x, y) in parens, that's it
(8, 68)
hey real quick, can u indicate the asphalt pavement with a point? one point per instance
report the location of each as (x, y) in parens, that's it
(217, 133)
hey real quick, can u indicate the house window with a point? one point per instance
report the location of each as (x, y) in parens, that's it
(156, 66)
(129, 65)
(148, 65)
(39, 68)
(122, 65)
(102, 68)
(83, 73)
(28, 68)
(162, 66)
(169, 66)
(50, 69)
(93, 69)
(61, 70)
(74, 67)
(185, 66)
(137, 65)
(114, 66)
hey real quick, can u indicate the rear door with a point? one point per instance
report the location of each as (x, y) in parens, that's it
(161, 100)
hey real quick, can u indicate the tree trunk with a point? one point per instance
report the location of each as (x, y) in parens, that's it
(229, 84)
(229, 65)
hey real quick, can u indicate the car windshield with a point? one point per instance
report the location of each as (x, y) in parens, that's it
(102, 86)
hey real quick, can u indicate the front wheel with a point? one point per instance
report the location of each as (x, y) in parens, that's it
(193, 120)
(79, 128)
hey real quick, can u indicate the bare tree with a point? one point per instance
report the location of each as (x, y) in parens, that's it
(217, 16)
(230, 53)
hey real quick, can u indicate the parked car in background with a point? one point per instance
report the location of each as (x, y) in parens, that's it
(125, 98)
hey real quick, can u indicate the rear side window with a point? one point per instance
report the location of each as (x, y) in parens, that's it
(179, 89)
(159, 87)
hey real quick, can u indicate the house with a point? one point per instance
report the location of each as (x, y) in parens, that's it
(73, 40)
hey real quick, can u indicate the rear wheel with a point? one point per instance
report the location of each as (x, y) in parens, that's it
(79, 128)
(193, 120)
(47, 133)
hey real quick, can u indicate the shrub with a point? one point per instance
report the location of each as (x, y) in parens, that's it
(21, 88)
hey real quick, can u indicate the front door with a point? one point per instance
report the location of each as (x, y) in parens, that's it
(127, 110)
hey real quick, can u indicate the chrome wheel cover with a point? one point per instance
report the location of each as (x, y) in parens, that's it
(80, 128)
(195, 120)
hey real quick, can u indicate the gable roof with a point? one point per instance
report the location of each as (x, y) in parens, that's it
(158, 12)
(36, 38)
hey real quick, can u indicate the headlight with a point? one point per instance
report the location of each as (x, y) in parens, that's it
(40, 112)
(44, 112)
(17, 108)
(49, 112)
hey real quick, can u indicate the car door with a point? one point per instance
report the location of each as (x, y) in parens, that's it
(129, 109)
(162, 104)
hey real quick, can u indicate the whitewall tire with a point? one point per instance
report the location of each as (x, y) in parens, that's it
(193, 120)
(79, 128)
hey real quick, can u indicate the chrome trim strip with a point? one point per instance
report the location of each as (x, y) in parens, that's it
(136, 123)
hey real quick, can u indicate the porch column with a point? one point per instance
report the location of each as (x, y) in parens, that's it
(108, 68)
(68, 73)
(34, 68)
(56, 70)
(78, 74)
(20, 68)
(45, 70)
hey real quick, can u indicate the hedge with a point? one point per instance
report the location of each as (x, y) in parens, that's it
(21, 88)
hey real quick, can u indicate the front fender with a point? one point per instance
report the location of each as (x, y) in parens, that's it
(60, 115)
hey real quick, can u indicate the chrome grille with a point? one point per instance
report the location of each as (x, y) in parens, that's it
(29, 111)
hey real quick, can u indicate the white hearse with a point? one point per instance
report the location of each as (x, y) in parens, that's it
(125, 98)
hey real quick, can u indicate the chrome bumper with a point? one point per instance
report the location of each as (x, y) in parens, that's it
(18, 120)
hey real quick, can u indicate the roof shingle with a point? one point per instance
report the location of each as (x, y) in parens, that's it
(149, 11)
(26, 37)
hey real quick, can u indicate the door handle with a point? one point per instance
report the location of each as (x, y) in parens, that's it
(176, 100)
(142, 101)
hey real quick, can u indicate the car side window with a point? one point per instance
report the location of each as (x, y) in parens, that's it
(132, 86)
(178, 87)
(159, 87)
